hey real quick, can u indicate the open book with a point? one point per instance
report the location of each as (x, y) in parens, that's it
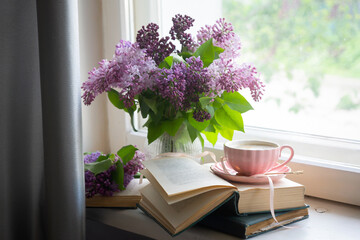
(129, 198)
(182, 192)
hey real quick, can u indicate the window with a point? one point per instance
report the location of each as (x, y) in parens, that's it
(307, 55)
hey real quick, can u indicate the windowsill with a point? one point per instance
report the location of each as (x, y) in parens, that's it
(339, 221)
(321, 179)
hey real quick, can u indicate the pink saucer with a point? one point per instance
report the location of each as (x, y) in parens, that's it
(218, 170)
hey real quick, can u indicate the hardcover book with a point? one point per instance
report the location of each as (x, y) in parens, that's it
(129, 198)
(253, 224)
(182, 192)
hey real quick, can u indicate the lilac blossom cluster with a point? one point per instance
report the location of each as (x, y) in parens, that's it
(223, 36)
(103, 183)
(133, 167)
(180, 25)
(157, 49)
(226, 73)
(182, 85)
(100, 184)
(171, 85)
(200, 115)
(135, 69)
(130, 70)
(92, 157)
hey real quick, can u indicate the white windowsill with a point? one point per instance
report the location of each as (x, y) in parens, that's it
(322, 179)
(339, 221)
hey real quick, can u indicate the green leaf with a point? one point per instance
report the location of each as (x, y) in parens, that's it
(211, 137)
(172, 126)
(144, 108)
(218, 103)
(156, 117)
(114, 98)
(210, 128)
(127, 153)
(185, 55)
(236, 101)
(206, 52)
(131, 111)
(227, 133)
(200, 126)
(213, 126)
(178, 59)
(202, 141)
(98, 167)
(112, 157)
(137, 175)
(211, 110)
(102, 158)
(154, 131)
(204, 101)
(167, 62)
(193, 132)
(147, 122)
(118, 175)
(218, 50)
(151, 103)
(232, 119)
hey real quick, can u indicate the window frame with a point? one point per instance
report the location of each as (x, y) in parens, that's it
(322, 177)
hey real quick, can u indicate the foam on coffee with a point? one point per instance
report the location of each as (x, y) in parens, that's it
(253, 147)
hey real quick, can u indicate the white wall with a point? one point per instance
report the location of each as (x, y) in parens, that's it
(95, 120)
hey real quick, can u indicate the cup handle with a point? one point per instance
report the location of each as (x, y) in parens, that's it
(287, 161)
(223, 165)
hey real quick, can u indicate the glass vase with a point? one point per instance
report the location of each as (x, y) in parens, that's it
(180, 143)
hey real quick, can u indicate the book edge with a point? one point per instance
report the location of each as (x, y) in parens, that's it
(192, 224)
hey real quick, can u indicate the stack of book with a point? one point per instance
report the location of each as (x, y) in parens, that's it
(182, 193)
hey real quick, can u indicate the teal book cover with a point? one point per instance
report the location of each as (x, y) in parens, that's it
(246, 226)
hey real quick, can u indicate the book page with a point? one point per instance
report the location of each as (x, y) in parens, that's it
(256, 198)
(133, 188)
(180, 175)
(180, 215)
(283, 183)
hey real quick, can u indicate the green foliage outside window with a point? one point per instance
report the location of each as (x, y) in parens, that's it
(320, 37)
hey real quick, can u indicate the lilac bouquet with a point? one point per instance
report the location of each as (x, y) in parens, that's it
(106, 174)
(196, 86)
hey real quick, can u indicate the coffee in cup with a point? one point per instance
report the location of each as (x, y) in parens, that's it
(250, 157)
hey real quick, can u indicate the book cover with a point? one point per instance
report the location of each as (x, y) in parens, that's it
(247, 226)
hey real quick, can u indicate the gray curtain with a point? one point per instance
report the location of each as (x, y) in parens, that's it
(41, 171)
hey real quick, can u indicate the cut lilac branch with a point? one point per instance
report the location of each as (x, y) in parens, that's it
(203, 79)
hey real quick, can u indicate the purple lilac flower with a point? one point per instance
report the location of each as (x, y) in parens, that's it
(223, 36)
(200, 115)
(247, 73)
(148, 38)
(96, 83)
(171, 85)
(197, 81)
(183, 84)
(101, 183)
(230, 77)
(92, 157)
(133, 167)
(130, 70)
(180, 25)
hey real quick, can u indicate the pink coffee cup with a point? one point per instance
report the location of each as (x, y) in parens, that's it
(250, 157)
